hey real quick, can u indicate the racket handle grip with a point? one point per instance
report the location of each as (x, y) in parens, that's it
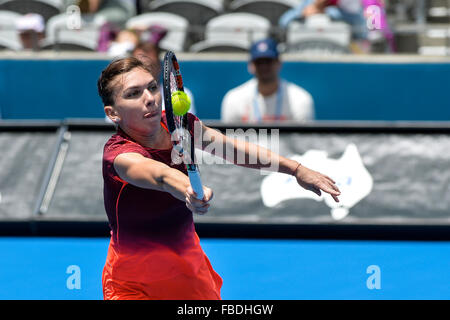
(196, 183)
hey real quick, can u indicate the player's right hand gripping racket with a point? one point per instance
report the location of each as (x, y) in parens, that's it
(183, 141)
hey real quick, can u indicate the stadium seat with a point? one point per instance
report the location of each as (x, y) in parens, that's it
(434, 40)
(197, 12)
(9, 38)
(60, 37)
(271, 9)
(46, 8)
(318, 34)
(7, 44)
(176, 25)
(233, 32)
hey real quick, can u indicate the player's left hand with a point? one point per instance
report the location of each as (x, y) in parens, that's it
(315, 181)
(196, 205)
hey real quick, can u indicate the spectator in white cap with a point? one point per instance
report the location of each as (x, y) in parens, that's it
(266, 97)
(31, 28)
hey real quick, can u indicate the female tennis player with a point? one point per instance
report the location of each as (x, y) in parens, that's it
(154, 251)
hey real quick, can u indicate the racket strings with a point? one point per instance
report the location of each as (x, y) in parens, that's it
(180, 140)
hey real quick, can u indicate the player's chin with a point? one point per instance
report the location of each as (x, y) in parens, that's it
(146, 126)
(152, 123)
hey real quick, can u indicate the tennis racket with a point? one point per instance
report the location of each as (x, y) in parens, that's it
(183, 141)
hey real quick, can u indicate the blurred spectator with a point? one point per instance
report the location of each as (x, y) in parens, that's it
(118, 42)
(108, 33)
(148, 49)
(114, 11)
(31, 30)
(353, 12)
(124, 43)
(266, 97)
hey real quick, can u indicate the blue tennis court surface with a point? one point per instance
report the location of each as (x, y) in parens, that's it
(52, 268)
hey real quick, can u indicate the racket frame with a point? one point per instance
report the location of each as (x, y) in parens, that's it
(171, 62)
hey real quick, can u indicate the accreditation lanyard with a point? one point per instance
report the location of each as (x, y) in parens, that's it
(278, 107)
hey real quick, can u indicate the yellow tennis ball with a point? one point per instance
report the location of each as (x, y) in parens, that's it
(180, 103)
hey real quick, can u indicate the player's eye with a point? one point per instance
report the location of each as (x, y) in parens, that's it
(132, 94)
(153, 87)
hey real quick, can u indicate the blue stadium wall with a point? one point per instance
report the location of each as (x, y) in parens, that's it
(58, 89)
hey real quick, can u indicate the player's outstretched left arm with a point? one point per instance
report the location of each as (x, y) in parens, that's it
(315, 181)
(267, 160)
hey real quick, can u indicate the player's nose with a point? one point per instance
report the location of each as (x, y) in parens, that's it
(149, 98)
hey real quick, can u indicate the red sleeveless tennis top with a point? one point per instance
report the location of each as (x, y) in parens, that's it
(152, 233)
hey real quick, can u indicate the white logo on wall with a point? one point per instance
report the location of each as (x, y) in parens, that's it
(373, 17)
(73, 21)
(351, 177)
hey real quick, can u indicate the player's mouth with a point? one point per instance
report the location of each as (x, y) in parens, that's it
(150, 114)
